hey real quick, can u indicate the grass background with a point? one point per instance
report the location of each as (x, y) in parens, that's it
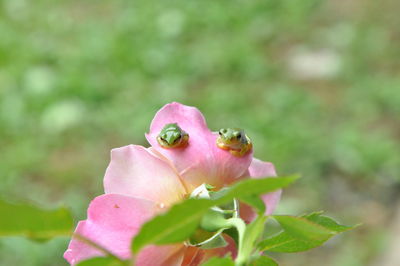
(315, 84)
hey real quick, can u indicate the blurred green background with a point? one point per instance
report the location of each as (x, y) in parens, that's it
(315, 83)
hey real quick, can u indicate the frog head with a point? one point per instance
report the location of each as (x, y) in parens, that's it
(232, 136)
(172, 136)
(234, 140)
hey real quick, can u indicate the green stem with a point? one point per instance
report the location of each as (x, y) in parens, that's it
(240, 226)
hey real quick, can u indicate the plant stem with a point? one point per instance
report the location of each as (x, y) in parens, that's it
(240, 226)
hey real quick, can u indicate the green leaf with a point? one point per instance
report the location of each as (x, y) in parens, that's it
(264, 261)
(283, 242)
(217, 242)
(250, 187)
(256, 202)
(179, 223)
(302, 228)
(176, 225)
(327, 222)
(102, 261)
(252, 233)
(219, 262)
(32, 222)
(287, 242)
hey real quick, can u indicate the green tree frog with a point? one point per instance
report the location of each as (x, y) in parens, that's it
(172, 136)
(234, 140)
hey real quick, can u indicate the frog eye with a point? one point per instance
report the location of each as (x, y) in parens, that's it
(239, 135)
(222, 131)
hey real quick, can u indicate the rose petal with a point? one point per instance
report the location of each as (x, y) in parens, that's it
(169, 255)
(260, 169)
(136, 171)
(78, 250)
(190, 256)
(190, 120)
(112, 222)
(201, 161)
(230, 167)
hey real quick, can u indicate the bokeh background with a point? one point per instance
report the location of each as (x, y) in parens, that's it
(315, 83)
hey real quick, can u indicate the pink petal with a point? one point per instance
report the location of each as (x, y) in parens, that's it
(112, 222)
(260, 169)
(190, 120)
(171, 255)
(201, 161)
(231, 167)
(136, 171)
(78, 250)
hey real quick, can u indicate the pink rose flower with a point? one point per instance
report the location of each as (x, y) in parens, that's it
(142, 182)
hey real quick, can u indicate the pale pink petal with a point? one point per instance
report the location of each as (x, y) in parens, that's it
(168, 255)
(201, 161)
(230, 167)
(136, 171)
(78, 250)
(260, 169)
(112, 222)
(190, 120)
